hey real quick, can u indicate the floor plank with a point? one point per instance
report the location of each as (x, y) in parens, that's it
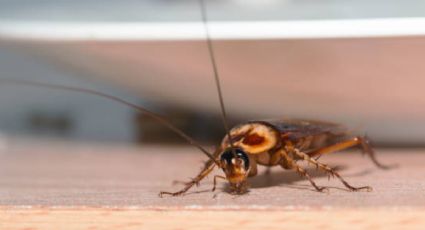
(43, 184)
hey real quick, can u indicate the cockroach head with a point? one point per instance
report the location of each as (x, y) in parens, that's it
(236, 165)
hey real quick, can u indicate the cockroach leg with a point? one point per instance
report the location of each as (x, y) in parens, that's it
(268, 171)
(367, 148)
(179, 182)
(362, 142)
(215, 181)
(304, 173)
(288, 162)
(329, 170)
(254, 170)
(209, 166)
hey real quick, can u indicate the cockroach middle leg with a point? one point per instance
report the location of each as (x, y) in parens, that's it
(305, 174)
(209, 166)
(289, 163)
(328, 170)
(362, 142)
(268, 171)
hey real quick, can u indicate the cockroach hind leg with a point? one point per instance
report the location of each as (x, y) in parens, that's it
(362, 142)
(367, 149)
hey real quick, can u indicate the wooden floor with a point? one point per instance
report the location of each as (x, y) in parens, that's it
(59, 185)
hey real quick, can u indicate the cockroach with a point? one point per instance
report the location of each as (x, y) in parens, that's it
(279, 143)
(267, 142)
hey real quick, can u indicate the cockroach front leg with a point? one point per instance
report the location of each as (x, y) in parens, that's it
(209, 166)
(328, 170)
(215, 181)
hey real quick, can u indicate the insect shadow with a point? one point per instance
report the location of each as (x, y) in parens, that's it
(276, 178)
(288, 178)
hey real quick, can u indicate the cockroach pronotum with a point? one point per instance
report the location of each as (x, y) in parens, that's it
(266, 142)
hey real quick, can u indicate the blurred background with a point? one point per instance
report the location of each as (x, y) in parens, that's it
(354, 62)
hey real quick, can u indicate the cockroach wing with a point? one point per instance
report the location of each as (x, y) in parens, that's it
(297, 129)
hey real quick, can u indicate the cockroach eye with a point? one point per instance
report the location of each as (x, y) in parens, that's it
(229, 157)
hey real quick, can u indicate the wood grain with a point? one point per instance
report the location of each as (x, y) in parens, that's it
(62, 185)
(126, 219)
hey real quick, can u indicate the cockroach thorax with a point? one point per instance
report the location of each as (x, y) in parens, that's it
(253, 137)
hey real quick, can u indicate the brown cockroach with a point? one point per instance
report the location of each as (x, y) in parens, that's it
(267, 142)
(279, 143)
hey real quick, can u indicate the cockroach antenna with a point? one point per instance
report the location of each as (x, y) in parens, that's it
(138, 108)
(216, 75)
